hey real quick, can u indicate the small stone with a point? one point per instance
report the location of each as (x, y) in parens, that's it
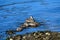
(10, 32)
(19, 29)
(11, 39)
(17, 37)
(47, 33)
(24, 37)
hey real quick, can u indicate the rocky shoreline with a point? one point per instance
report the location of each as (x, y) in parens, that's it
(40, 35)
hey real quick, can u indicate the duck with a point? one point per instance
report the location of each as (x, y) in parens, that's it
(30, 22)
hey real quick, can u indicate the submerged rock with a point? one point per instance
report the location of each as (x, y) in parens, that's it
(41, 35)
(10, 32)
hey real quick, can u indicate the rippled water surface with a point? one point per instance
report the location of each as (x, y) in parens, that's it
(15, 12)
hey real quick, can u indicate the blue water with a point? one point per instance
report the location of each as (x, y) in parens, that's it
(15, 12)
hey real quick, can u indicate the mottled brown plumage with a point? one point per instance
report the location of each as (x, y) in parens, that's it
(30, 22)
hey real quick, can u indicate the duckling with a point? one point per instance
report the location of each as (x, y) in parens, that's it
(30, 22)
(30, 19)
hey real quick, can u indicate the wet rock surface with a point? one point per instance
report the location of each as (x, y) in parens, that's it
(40, 35)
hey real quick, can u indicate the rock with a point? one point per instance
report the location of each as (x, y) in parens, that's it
(10, 32)
(40, 35)
(17, 37)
